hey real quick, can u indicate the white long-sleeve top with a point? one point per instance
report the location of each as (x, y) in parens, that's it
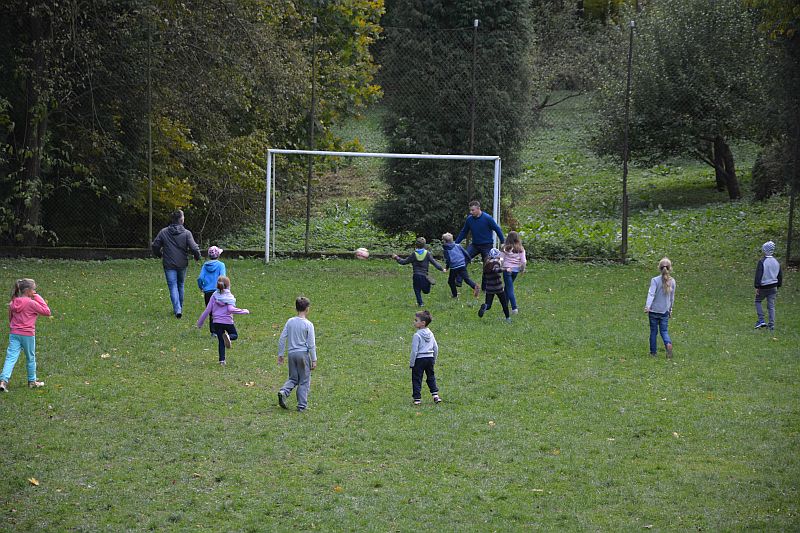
(657, 301)
(298, 336)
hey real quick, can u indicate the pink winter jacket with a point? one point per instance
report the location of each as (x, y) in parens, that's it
(22, 313)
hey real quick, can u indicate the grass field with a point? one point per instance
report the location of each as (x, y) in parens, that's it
(558, 421)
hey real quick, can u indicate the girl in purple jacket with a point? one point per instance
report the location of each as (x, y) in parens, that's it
(222, 307)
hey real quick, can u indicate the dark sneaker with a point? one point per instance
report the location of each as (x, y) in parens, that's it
(669, 351)
(482, 310)
(178, 315)
(772, 329)
(282, 400)
(222, 363)
(760, 324)
(226, 339)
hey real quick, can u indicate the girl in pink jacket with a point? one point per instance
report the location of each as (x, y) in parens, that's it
(23, 309)
(222, 307)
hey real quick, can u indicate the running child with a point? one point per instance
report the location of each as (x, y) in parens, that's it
(298, 339)
(222, 306)
(207, 280)
(455, 260)
(660, 298)
(493, 283)
(424, 352)
(23, 310)
(420, 260)
(514, 262)
(768, 278)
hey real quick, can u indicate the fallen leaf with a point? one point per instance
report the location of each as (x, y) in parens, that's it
(249, 383)
(537, 490)
(196, 475)
(491, 423)
(33, 481)
(105, 355)
(675, 434)
(337, 488)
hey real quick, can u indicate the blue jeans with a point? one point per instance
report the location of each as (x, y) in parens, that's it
(659, 321)
(769, 295)
(508, 280)
(16, 343)
(175, 278)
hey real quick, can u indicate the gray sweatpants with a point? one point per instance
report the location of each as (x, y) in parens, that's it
(769, 295)
(299, 364)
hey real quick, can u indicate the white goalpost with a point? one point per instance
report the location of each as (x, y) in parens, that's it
(271, 152)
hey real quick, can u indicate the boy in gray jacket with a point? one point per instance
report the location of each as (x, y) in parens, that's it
(298, 340)
(424, 351)
(768, 278)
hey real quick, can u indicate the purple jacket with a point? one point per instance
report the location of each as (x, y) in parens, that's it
(221, 306)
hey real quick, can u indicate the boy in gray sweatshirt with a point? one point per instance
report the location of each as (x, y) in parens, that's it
(298, 340)
(768, 278)
(424, 351)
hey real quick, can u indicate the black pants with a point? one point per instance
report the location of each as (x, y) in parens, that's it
(218, 329)
(423, 365)
(503, 302)
(207, 295)
(421, 284)
(457, 274)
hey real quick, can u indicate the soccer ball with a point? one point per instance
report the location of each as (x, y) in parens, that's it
(362, 253)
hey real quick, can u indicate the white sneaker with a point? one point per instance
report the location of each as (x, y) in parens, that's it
(514, 311)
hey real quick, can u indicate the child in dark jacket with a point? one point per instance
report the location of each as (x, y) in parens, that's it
(420, 260)
(768, 278)
(207, 280)
(455, 259)
(493, 283)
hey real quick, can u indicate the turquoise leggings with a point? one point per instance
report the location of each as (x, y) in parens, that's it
(16, 343)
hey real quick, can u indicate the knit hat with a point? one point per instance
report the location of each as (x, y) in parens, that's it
(494, 252)
(214, 252)
(768, 248)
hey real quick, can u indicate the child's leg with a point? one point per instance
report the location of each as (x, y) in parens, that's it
(759, 309)
(416, 379)
(29, 347)
(508, 280)
(465, 276)
(489, 298)
(430, 377)
(451, 281)
(303, 380)
(503, 302)
(218, 329)
(663, 325)
(232, 333)
(653, 332)
(294, 374)
(207, 297)
(771, 307)
(12, 354)
(417, 283)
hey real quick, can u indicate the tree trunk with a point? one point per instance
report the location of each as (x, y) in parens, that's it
(716, 157)
(723, 162)
(35, 131)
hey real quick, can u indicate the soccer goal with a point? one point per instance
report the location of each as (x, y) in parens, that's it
(270, 200)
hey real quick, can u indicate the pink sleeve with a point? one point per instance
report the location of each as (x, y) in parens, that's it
(41, 306)
(232, 309)
(207, 310)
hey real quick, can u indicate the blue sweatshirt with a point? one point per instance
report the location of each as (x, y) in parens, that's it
(481, 228)
(207, 280)
(454, 255)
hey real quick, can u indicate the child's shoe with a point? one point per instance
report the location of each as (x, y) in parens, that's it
(760, 324)
(35, 384)
(482, 310)
(669, 351)
(282, 399)
(226, 339)
(436, 399)
(514, 311)
(508, 320)
(476, 291)
(3, 386)
(417, 401)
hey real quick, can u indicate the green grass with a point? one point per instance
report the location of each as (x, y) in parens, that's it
(588, 431)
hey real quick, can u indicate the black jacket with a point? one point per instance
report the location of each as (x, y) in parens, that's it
(172, 244)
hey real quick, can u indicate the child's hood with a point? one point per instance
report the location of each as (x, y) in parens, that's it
(425, 333)
(19, 303)
(420, 254)
(448, 245)
(212, 266)
(224, 297)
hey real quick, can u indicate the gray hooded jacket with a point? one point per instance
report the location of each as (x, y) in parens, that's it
(172, 244)
(423, 344)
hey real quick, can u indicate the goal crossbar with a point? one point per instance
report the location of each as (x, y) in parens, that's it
(271, 152)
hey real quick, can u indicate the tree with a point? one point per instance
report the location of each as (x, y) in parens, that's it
(426, 76)
(700, 80)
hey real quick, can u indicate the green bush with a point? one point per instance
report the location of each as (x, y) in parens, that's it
(772, 170)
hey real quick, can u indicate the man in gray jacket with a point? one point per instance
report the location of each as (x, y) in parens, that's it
(171, 245)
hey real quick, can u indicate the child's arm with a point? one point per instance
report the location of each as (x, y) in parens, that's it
(205, 313)
(435, 350)
(759, 275)
(282, 342)
(311, 342)
(524, 263)
(435, 263)
(40, 305)
(403, 261)
(414, 349)
(780, 275)
(232, 309)
(672, 297)
(651, 294)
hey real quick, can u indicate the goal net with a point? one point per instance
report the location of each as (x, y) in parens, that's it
(270, 227)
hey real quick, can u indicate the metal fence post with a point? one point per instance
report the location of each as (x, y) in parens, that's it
(626, 151)
(311, 120)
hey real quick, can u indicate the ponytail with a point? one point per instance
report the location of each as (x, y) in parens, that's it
(22, 285)
(223, 283)
(665, 265)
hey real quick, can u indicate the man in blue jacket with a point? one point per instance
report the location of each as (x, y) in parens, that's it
(482, 227)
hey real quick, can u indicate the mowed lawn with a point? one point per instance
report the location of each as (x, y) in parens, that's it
(560, 420)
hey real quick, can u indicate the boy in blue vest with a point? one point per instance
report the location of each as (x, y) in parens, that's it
(420, 260)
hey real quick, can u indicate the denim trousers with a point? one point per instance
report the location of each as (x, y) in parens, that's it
(659, 322)
(423, 365)
(299, 376)
(508, 281)
(17, 343)
(458, 274)
(769, 295)
(175, 278)
(232, 333)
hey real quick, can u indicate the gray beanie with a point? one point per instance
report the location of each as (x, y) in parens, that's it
(768, 248)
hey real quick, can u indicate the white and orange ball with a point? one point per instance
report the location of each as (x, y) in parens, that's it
(362, 253)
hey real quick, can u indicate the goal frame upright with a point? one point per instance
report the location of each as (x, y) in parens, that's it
(271, 182)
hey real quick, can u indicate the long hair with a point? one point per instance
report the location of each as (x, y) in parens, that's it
(665, 266)
(513, 243)
(22, 285)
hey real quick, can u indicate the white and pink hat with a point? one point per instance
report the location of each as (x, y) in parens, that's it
(214, 252)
